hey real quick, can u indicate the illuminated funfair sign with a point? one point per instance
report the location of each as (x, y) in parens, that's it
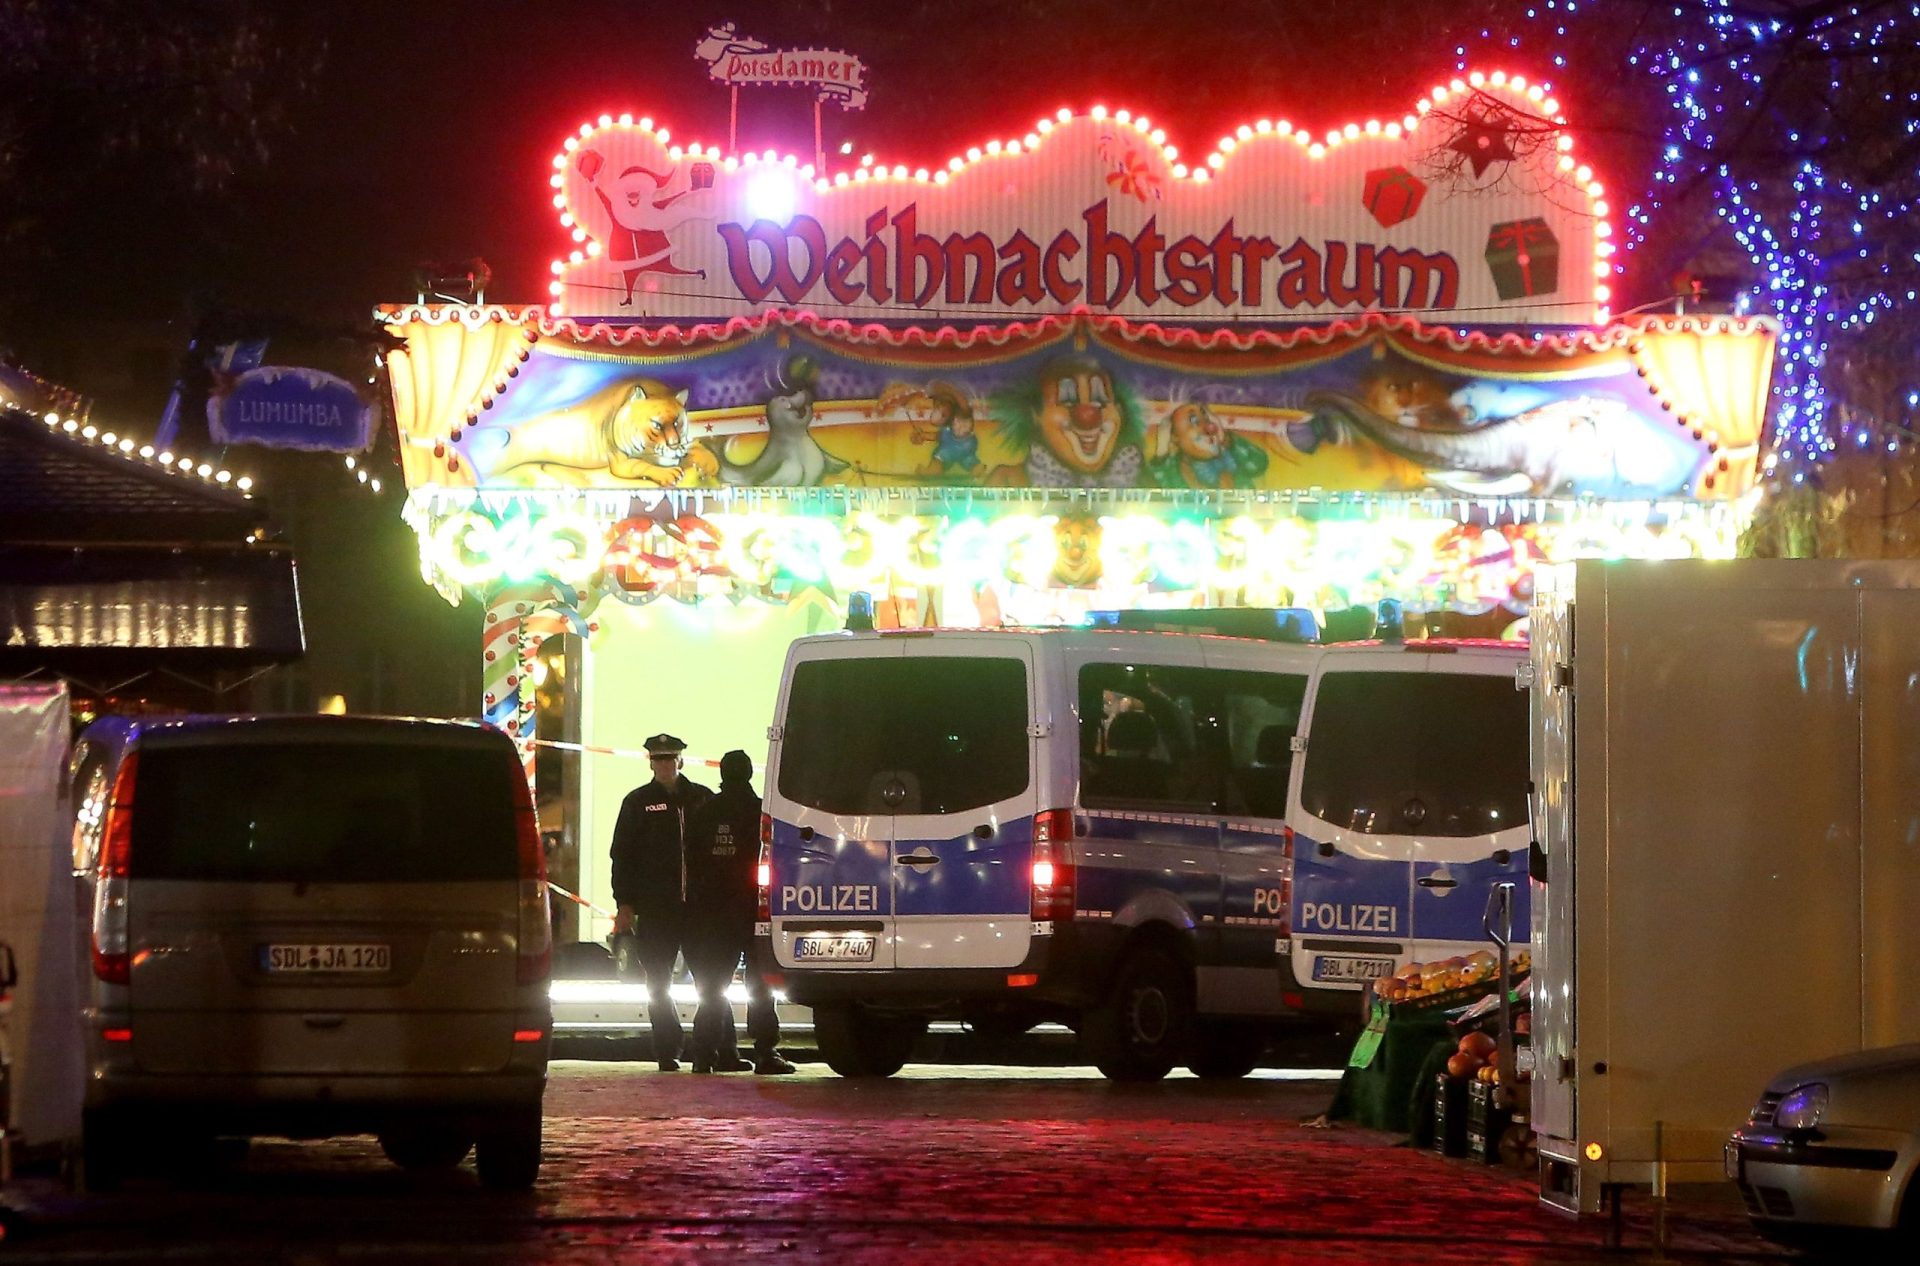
(1471, 207)
(1069, 463)
(1068, 371)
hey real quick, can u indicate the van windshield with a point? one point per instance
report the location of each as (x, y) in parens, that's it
(1438, 754)
(324, 813)
(925, 734)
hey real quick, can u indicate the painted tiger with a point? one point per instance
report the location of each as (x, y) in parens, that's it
(649, 439)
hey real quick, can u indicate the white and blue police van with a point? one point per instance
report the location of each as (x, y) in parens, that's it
(1409, 805)
(1102, 828)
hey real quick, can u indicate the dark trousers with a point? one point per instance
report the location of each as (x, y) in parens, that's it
(714, 1032)
(656, 959)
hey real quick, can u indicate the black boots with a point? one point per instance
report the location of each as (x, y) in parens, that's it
(722, 1064)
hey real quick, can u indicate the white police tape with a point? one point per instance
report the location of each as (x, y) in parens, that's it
(579, 900)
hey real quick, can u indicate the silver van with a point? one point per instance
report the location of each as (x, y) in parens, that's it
(312, 926)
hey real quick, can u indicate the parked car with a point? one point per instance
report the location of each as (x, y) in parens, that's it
(1834, 1144)
(312, 926)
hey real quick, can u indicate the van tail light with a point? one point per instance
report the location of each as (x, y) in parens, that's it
(112, 961)
(763, 873)
(1053, 865)
(535, 959)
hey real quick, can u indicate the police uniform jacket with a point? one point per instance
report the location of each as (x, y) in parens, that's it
(649, 847)
(723, 854)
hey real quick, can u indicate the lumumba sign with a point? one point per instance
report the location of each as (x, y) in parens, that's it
(1472, 210)
(282, 407)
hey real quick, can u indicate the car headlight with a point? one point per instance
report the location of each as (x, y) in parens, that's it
(1803, 1107)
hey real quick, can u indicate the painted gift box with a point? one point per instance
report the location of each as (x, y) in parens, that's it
(1524, 258)
(1393, 194)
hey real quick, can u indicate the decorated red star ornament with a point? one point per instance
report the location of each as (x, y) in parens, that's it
(1483, 141)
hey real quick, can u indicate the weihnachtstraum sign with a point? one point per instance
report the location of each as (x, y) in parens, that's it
(1472, 209)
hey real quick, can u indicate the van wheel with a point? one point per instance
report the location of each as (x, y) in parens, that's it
(1142, 1029)
(1223, 1052)
(508, 1154)
(105, 1151)
(857, 1043)
(426, 1149)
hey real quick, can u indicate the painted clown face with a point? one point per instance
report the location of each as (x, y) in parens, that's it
(1076, 540)
(1197, 434)
(1080, 417)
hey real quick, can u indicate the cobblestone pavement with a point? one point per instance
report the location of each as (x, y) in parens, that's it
(939, 1165)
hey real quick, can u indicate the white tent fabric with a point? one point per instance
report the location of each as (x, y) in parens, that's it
(37, 915)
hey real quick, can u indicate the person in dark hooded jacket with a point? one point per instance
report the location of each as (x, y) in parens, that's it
(723, 853)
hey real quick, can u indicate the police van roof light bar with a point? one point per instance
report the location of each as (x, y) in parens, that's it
(1389, 622)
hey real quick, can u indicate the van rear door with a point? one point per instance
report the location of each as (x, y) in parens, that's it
(962, 750)
(1352, 875)
(832, 801)
(323, 907)
(1475, 783)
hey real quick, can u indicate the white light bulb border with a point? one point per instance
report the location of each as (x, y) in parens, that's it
(1537, 98)
(147, 455)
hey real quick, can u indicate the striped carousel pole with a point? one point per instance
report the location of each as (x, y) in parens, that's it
(518, 619)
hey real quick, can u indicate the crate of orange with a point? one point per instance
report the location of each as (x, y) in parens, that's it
(1448, 982)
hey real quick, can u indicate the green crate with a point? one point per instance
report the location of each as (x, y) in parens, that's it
(1449, 1115)
(1485, 1123)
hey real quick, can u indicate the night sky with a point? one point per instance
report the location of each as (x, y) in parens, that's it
(429, 134)
(432, 125)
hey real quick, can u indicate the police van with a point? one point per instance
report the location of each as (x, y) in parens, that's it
(1410, 804)
(1098, 827)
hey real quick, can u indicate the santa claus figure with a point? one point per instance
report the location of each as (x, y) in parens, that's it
(643, 214)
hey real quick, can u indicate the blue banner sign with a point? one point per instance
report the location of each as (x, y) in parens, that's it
(282, 407)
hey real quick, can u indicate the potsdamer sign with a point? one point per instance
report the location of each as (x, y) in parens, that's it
(1471, 209)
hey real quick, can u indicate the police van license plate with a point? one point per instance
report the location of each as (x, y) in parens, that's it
(326, 958)
(851, 948)
(1337, 968)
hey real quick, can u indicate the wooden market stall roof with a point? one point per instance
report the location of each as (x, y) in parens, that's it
(109, 562)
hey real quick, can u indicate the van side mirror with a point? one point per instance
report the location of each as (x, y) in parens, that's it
(1536, 862)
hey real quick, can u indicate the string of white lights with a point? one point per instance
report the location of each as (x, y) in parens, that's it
(178, 464)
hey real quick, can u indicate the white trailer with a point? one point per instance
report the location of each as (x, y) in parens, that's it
(1726, 771)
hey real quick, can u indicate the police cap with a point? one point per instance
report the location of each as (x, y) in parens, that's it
(665, 745)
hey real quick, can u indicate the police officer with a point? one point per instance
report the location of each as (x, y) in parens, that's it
(723, 853)
(650, 881)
